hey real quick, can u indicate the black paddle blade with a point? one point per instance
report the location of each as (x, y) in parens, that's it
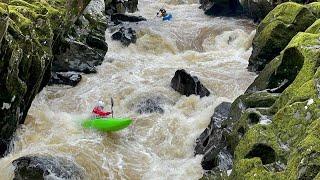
(111, 106)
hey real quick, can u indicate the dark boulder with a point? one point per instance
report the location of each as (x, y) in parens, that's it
(254, 9)
(66, 78)
(150, 105)
(121, 6)
(212, 142)
(187, 85)
(221, 7)
(84, 47)
(125, 35)
(126, 18)
(40, 167)
(76, 56)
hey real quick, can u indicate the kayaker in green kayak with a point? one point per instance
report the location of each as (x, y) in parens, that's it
(98, 111)
(101, 122)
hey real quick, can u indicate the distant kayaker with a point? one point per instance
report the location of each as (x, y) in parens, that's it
(165, 16)
(98, 110)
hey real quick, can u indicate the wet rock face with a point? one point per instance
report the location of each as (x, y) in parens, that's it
(3, 146)
(212, 142)
(78, 56)
(187, 85)
(254, 9)
(126, 18)
(150, 105)
(83, 47)
(258, 9)
(66, 78)
(221, 7)
(41, 167)
(121, 6)
(26, 54)
(125, 35)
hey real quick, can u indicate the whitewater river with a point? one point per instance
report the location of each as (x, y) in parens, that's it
(156, 146)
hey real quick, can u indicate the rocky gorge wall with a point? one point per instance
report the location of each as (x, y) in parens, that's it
(28, 32)
(272, 131)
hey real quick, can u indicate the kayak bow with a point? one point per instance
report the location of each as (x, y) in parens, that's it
(107, 124)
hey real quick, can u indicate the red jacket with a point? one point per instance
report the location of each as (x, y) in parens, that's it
(98, 111)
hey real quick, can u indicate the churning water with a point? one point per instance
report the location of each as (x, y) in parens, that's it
(156, 146)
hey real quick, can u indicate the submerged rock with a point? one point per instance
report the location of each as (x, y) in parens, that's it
(150, 105)
(43, 167)
(187, 85)
(125, 35)
(66, 78)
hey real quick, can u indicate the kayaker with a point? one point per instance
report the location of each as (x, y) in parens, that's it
(98, 110)
(165, 16)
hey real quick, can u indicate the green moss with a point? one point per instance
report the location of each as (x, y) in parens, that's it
(293, 135)
(306, 44)
(276, 30)
(286, 13)
(314, 8)
(314, 28)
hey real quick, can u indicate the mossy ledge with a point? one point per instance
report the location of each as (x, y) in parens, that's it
(28, 30)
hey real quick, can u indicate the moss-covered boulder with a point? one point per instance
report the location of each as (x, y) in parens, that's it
(28, 30)
(276, 31)
(288, 147)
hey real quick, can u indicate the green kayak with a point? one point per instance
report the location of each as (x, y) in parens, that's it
(107, 124)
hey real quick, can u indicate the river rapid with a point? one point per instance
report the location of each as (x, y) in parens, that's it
(155, 146)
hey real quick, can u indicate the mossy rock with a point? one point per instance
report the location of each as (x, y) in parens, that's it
(314, 28)
(27, 33)
(276, 31)
(292, 139)
(314, 8)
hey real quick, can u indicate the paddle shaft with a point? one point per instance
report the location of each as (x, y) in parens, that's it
(112, 106)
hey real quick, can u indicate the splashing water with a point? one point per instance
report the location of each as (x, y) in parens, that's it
(156, 146)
